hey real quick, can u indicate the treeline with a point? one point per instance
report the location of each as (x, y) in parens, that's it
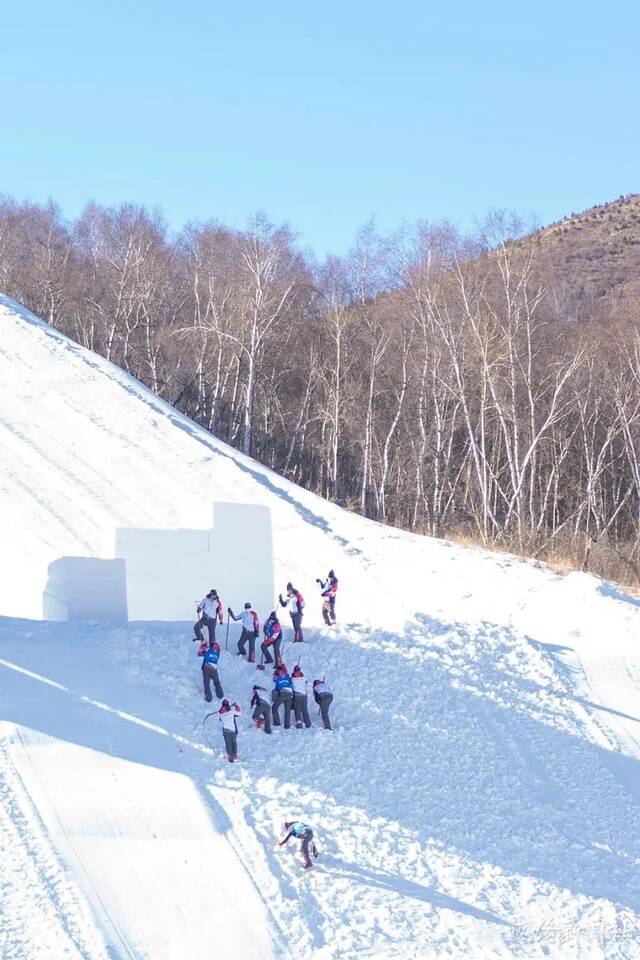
(425, 379)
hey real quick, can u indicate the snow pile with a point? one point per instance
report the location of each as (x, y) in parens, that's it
(478, 796)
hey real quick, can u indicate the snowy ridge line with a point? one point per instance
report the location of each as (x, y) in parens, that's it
(306, 504)
(27, 851)
(82, 698)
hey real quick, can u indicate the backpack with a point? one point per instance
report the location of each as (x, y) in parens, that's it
(300, 599)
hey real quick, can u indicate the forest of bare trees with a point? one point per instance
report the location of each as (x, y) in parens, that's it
(426, 379)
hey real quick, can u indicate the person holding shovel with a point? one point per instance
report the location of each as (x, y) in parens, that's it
(261, 708)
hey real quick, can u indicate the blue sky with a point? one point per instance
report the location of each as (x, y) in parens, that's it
(321, 114)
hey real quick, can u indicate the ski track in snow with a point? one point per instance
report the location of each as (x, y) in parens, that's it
(479, 796)
(43, 913)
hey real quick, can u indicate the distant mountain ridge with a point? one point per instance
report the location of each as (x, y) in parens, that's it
(592, 258)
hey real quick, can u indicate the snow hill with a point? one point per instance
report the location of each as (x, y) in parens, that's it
(478, 798)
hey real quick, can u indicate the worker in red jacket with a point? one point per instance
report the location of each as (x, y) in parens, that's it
(328, 590)
(272, 638)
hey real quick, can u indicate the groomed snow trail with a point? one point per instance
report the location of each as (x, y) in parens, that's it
(478, 797)
(145, 842)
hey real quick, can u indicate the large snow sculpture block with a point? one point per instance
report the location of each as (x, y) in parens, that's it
(85, 588)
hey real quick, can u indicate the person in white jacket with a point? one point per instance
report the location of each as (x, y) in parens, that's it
(228, 716)
(300, 707)
(294, 602)
(250, 630)
(209, 612)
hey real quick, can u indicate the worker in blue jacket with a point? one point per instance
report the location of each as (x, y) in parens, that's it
(282, 693)
(210, 655)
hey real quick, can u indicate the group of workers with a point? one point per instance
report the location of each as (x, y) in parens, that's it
(290, 690)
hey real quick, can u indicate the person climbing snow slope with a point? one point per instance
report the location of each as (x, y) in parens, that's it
(261, 707)
(228, 717)
(210, 656)
(303, 832)
(210, 611)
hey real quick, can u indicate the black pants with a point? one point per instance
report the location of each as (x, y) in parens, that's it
(307, 839)
(278, 697)
(266, 651)
(296, 620)
(209, 673)
(301, 710)
(324, 701)
(249, 635)
(262, 712)
(209, 623)
(231, 743)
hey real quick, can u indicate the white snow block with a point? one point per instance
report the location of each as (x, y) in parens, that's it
(169, 571)
(166, 570)
(85, 588)
(242, 556)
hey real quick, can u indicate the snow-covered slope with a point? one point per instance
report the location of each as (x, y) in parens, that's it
(479, 796)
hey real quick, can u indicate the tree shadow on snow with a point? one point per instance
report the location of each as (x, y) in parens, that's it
(609, 590)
